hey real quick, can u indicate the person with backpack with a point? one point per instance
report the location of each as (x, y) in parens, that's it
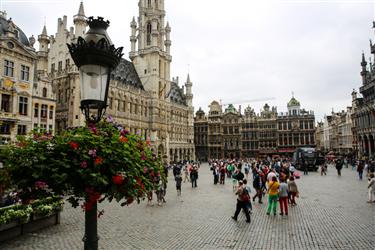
(247, 189)
(176, 170)
(242, 199)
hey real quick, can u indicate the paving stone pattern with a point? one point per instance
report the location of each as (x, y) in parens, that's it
(332, 213)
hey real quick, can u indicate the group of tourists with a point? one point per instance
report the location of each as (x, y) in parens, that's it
(275, 178)
(182, 171)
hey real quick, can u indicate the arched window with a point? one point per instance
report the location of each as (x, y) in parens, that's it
(44, 92)
(149, 3)
(156, 4)
(148, 36)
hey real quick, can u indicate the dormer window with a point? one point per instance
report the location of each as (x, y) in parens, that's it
(16, 34)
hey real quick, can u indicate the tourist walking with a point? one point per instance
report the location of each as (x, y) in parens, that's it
(247, 169)
(186, 173)
(222, 175)
(360, 169)
(215, 172)
(178, 180)
(371, 188)
(273, 195)
(257, 185)
(194, 176)
(248, 190)
(339, 165)
(304, 166)
(283, 197)
(293, 190)
(323, 169)
(241, 202)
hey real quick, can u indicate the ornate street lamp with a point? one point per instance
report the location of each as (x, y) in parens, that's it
(96, 57)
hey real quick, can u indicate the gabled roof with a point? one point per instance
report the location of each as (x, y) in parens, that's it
(176, 94)
(126, 73)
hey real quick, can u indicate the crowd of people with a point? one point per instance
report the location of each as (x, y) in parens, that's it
(275, 178)
(271, 178)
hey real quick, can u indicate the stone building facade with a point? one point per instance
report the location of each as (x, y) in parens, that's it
(26, 97)
(337, 132)
(142, 95)
(364, 109)
(296, 128)
(232, 134)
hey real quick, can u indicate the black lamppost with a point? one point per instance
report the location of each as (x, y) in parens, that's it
(96, 57)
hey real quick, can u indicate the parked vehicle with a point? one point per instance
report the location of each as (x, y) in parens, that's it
(307, 155)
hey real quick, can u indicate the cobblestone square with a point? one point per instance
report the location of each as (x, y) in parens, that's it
(332, 213)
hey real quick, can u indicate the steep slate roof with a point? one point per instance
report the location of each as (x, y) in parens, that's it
(176, 94)
(200, 112)
(126, 73)
(4, 27)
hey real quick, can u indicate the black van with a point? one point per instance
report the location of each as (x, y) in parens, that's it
(309, 155)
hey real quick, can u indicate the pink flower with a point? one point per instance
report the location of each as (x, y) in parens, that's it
(40, 185)
(143, 157)
(145, 170)
(93, 128)
(92, 152)
(83, 164)
(124, 132)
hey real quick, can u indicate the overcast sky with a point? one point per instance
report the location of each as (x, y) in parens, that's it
(243, 50)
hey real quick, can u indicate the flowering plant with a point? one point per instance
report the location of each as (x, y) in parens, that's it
(17, 212)
(88, 164)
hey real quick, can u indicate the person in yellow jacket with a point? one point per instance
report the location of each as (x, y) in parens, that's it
(273, 195)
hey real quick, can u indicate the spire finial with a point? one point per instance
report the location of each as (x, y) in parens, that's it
(81, 11)
(292, 94)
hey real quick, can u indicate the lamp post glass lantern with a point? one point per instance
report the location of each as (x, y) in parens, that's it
(96, 57)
